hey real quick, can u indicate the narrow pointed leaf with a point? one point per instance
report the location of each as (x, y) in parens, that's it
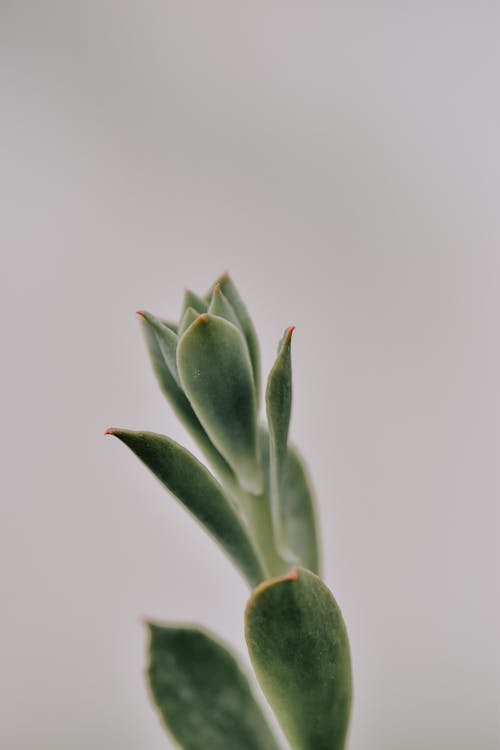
(202, 695)
(216, 375)
(199, 492)
(278, 407)
(180, 404)
(231, 293)
(167, 341)
(298, 645)
(193, 300)
(220, 305)
(188, 317)
(300, 534)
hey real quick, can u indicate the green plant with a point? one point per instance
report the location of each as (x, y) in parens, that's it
(258, 506)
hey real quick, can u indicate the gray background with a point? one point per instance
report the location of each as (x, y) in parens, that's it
(341, 160)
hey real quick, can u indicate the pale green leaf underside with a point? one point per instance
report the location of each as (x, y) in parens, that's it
(216, 375)
(299, 527)
(298, 645)
(201, 693)
(200, 493)
(233, 296)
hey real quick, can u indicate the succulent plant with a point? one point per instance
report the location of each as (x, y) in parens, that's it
(257, 503)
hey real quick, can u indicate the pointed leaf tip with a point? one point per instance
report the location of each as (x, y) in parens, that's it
(299, 648)
(110, 431)
(140, 313)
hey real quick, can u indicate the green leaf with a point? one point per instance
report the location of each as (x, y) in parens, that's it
(300, 535)
(220, 305)
(188, 317)
(232, 295)
(199, 492)
(181, 405)
(170, 324)
(300, 652)
(201, 693)
(216, 375)
(167, 341)
(193, 300)
(279, 406)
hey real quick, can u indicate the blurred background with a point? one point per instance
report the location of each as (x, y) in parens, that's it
(341, 160)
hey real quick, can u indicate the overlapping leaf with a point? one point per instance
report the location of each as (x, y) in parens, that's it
(216, 376)
(300, 652)
(200, 493)
(202, 694)
(180, 403)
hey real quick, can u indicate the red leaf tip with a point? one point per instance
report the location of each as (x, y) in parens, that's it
(202, 318)
(110, 431)
(293, 575)
(140, 313)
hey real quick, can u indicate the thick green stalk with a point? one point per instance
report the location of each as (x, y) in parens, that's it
(256, 510)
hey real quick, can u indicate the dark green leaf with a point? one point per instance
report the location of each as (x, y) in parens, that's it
(231, 293)
(279, 406)
(199, 492)
(298, 645)
(201, 693)
(216, 375)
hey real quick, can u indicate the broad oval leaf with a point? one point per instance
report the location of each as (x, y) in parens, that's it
(300, 544)
(231, 293)
(298, 645)
(199, 492)
(216, 375)
(201, 693)
(181, 405)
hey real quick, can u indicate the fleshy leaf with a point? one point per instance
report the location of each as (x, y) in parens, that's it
(170, 324)
(199, 492)
(298, 645)
(192, 300)
(181, 405)
(167, 341)
(188, 317)
(231, 293)
(220, 305)
(279, 406)
(300, 536)
(201, 693)
(216, 375)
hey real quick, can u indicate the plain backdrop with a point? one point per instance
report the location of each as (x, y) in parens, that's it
(341, 160)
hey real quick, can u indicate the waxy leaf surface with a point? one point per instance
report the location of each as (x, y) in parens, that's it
(167, 341)
(201, 693)
(298, 645)
(231, 293)
(180, 403)
(278, 407)
(216, 375)
(298, 516)
(199, 492)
